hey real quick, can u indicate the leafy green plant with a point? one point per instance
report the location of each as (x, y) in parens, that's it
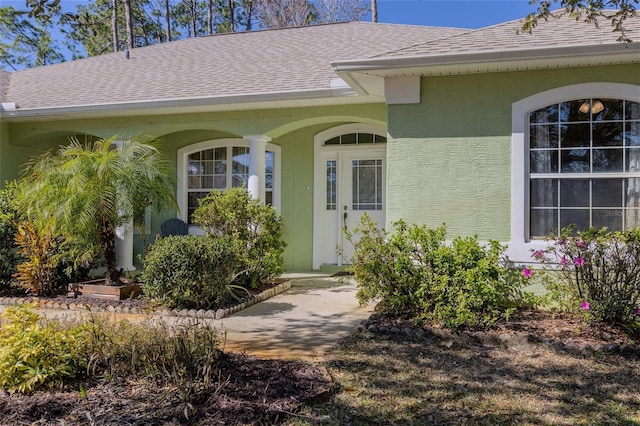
(596, 272)
(39, 250)
(35, 356)
(253, 229)
(8, 229)
(413, 272)
(190, 271)
(88, 190)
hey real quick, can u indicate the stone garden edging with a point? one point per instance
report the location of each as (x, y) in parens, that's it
(187, 313)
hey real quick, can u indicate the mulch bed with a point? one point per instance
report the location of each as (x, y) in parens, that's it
(249, 391)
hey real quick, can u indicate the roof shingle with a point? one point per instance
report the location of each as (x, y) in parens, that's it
(221, 65)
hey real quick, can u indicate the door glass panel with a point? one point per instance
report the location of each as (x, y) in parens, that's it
(367, 184)
(332, 193)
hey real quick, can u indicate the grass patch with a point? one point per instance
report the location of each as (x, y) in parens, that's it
(383, 381)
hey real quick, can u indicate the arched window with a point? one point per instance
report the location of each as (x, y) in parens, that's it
(584, 166)
(220, 164)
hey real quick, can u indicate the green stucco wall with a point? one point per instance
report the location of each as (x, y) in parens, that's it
(449, 157)
(291, 129)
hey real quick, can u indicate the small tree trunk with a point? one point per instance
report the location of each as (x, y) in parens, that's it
(114, 24)
(210, 17)
(108, 242)
(374, 10)
(129, 23)
(249, 12)
(167, 19)
(232, 16)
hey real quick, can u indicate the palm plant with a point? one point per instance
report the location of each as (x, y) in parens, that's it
(89, 189)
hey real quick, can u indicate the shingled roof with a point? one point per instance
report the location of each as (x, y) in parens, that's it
(553, 32)
(283, 61)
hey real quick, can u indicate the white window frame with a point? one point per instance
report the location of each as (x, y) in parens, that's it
(182, 170)
(521, 245)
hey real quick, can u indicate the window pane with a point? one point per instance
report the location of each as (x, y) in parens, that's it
(544, 161)
(208, 168)
(544, 193)
(207, 182)
(575, 135)
(607, 160)
(575, 161)
(632, 110)
(606, 109)
(195, 156)
(632, 219)
(578, 110)
(367, 184)
(632, 134)
(609, 218)
(543, 136)
(578, 218)
(220, 182)
(545, 115)
(574, 193)
(268, 172)
(632, 160)
(544, 222)
(333, 141)
(207, 154)
(331, 185)
(240, 166)
(632, 193)
(194, 182)
(381, 139)
(365, 138)
(607, 192)
(349, 139)
(607, 134)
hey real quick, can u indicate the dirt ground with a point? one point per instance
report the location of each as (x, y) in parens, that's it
(252, 391)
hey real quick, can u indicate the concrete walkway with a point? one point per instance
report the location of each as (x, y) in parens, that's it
(304, 322)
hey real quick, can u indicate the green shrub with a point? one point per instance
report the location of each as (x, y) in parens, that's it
(189, 272)
(253, 229)
(34, 356)
(599, 273)
(412, 272)
(8, 229)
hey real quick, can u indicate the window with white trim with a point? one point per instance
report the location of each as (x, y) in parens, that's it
(584, 166)
(218, 165)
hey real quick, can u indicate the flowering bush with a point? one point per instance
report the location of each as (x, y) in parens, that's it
(599, 270)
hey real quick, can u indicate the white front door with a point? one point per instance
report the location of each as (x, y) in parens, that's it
(355, 184)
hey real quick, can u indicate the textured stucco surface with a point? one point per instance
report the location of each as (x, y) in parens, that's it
(291, 129)
(449, 157)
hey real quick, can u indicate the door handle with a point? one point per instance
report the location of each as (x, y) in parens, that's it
(344, 218)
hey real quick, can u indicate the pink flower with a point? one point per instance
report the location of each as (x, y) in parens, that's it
(563, 261)
(578, 261)
(538, 254)
(526, 272)
(585, 306)
(581, 244)
(638, 310)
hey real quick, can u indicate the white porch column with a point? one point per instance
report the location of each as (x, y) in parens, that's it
(124, 247)
(257, 164)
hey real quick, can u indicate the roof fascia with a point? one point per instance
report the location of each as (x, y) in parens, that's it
(70, 111)
(511, 55)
